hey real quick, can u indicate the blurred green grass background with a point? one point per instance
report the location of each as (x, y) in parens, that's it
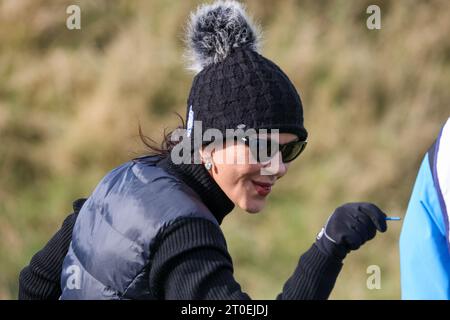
(70, 102)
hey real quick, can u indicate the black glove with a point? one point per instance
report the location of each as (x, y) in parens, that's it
(349, 227)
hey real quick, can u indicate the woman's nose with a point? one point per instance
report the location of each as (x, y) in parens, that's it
(275, 166)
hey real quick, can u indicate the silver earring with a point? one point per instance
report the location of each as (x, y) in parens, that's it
(208, 165)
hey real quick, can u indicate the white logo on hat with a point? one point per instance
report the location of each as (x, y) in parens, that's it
(190, 121)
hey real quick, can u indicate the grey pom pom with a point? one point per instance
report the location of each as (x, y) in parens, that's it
(214, 29)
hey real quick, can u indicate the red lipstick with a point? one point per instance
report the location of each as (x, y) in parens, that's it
(263, 189)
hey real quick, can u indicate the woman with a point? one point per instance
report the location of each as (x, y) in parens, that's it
(151, 228)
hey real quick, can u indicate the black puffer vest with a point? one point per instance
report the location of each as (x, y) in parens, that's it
(118, 227)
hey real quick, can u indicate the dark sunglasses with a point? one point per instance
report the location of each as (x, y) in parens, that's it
(264, 149)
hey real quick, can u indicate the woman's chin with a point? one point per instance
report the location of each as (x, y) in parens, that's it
(253, 206)
(253, 210)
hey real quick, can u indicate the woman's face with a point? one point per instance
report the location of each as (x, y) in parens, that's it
(246, 182)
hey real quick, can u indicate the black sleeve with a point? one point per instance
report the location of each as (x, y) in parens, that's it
(191, 261)
(40, 280)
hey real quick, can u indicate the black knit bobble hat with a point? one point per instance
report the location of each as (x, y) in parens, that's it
(234, 84)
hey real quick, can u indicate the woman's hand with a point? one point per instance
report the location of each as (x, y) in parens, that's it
(350, 226)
